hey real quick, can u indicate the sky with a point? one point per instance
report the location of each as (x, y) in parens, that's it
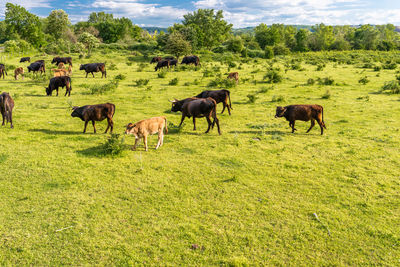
(241, 13)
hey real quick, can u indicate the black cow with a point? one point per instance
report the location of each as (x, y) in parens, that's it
(219, 96)
(173, 62)
(3, 70)
(303, 113)
(161, 64)
(23, 59)
(95, 113)
(191, 60)
(6, 107)
(94, 67)
(155, 59)
(169, 58)
(60, 81)
(197, 108)
(64, 60)
(37, 66)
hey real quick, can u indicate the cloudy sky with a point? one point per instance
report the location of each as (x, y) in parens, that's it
(241, 13)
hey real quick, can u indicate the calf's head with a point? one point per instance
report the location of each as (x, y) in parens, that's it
(280, 111)
(131, 129)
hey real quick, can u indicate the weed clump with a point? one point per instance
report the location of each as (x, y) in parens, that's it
(142, 82)
(162, 74)
(174, 81)
(363, 80)
(105, 88)
(327, 95)
(391, 87)
(273, 76)
(114, 145)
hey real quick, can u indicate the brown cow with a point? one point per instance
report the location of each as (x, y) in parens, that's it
(303, 113)
(219, 96)
(147, 127)
(94, 113)
(3, 70)
(234, 75)
(19, 71)
(6, 107)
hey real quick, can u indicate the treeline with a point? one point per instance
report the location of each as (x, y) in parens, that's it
(203, 30)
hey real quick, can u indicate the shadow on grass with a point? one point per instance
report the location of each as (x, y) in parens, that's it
(52, 132)
(35, 95)
(96, 151)
(261, 132)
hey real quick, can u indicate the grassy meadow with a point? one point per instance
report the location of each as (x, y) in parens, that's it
(256, 195)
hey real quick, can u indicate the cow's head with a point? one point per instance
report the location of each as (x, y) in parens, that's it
(176, 105)
(130, 129)
(75, 112)
(280, 111)
(29, 69)
(54, 60)
(48, 91)
(81, 67)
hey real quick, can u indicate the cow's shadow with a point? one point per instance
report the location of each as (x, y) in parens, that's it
(260, 132)
(55, 132)
(96, 152)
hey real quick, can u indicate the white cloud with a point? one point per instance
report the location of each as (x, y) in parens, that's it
(26, 4)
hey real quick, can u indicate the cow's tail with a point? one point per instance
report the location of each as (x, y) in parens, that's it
(166, 127)
(229, 96)
(5, 71)
(113, 110)
(323, 123)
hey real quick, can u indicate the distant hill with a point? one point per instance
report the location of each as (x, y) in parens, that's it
(151, 30)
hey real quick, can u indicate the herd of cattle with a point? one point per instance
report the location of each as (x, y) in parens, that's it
(201, 105)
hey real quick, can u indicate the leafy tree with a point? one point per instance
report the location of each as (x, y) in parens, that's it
(269, 36)
(235, 44)
(177, 45)
(301, 38)
(366, 37)
(99, 17)
(188, 32)
(269, 52)
(210, 28)
(20, 23)
(57, 23)
(322, 37)
(89, 41)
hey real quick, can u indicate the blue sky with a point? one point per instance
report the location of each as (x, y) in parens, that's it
(241, 13)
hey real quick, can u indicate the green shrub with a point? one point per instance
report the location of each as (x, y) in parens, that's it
(389, 66)
(114, 146)
(325, 81)
(112, 66)
(142, 82)
(391, 87)
(222, 82)
(162, 74)
(320, 67)
(364, 80)
(273, 76)
(251, 98)
(120, 77)
(174, 81)
(310, 81)
(277, 98)
(105, 88)
(268, 52)
(377, 68)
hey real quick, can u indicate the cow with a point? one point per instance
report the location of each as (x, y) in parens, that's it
(3, 71)
(56, 82)
(173, 62)
(6, 107)
(161, 64)
(155, 59)
(191, 60)
(234, 75)
(64, 60)
(23, 59)
(94, 67)
(147, 127)
(219, 96)
(303, 113)
(94, 113)
(41, 61)
(37, 66)
(19, 71)
(61, 65)
(197, 108)
(60, 72)
(169, 58)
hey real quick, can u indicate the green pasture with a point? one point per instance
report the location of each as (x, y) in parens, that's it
(256, 195)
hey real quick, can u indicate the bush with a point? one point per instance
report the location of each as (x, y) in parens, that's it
(320, 67)
(389, 66)
(120, 77)
(273, 76)
(105, 88)
(278, 98)
(232, 64)
(114, 146)
(280, 49)
(174, 81)
(364, 80)
(141, 67)
(162, 74)
(310, 81)
(268, 52)
(252, 98)
(377, 68)
(391, 87)
(222, 82)
(325, 81)
(142, 82)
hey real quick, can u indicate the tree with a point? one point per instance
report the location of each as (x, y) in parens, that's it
(20, 23)
(366, 37)
(57, 23)
(99, 17)
(270, 35)
(89, 41)
(210, 28)
(235, 44)
(301, 40)
(322, 37)
(177, 45)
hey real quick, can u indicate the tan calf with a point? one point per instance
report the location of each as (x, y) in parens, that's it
(19, 71)
(147, 127)
(234, 76)
(61, 66)
(59, 73)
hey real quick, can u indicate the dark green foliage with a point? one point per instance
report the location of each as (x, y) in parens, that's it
(141, 67)
(162, 74)
(277, 98)
(142, 82)
(222, 82)
(389, 65)
(112, 66)
(174, 81)
(273, 76)
(391, 87)
(320, 67)
(325, 81)
(251, 98)
(114, 146)
(269, 52)
(120, 77)
(310, 81)
(363, 80)
(377, 68)
(105, 88)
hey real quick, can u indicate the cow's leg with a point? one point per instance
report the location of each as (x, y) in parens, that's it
(312, 125)
(182, 119)
(321, 125)
(160, 136)
(87, 74)
(223, 108)
(194, 123)
(293, 129)
(2, 114)
(84, 129)
(94, 126)
(93, 74)
(10, 114)
(145, 142)
(209, 124)
(57, 91)
(137, 140)
(217, 121)
(110, 125)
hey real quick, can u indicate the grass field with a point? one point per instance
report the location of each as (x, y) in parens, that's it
(247, 197)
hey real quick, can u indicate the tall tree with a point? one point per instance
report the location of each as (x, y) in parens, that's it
(210, 27)
(177, 45)
(89, 41)
(57, 23)
(301, 40)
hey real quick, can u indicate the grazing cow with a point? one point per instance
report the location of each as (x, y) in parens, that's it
(23, 59)
(37, 66)
(60, 72)
(219, 96)
(56, 82)
(155, 59)
(41, 61)
(197, 108)
(61, 66)
(64, 60)
(173, 62)
(94, 113)
(6, 107)
(19, 71)
(147, 127)
(94, 67)
(169, 58)
(191, 60)
(234, 75)
(161, 64)
(2, 71)
(303, 113)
